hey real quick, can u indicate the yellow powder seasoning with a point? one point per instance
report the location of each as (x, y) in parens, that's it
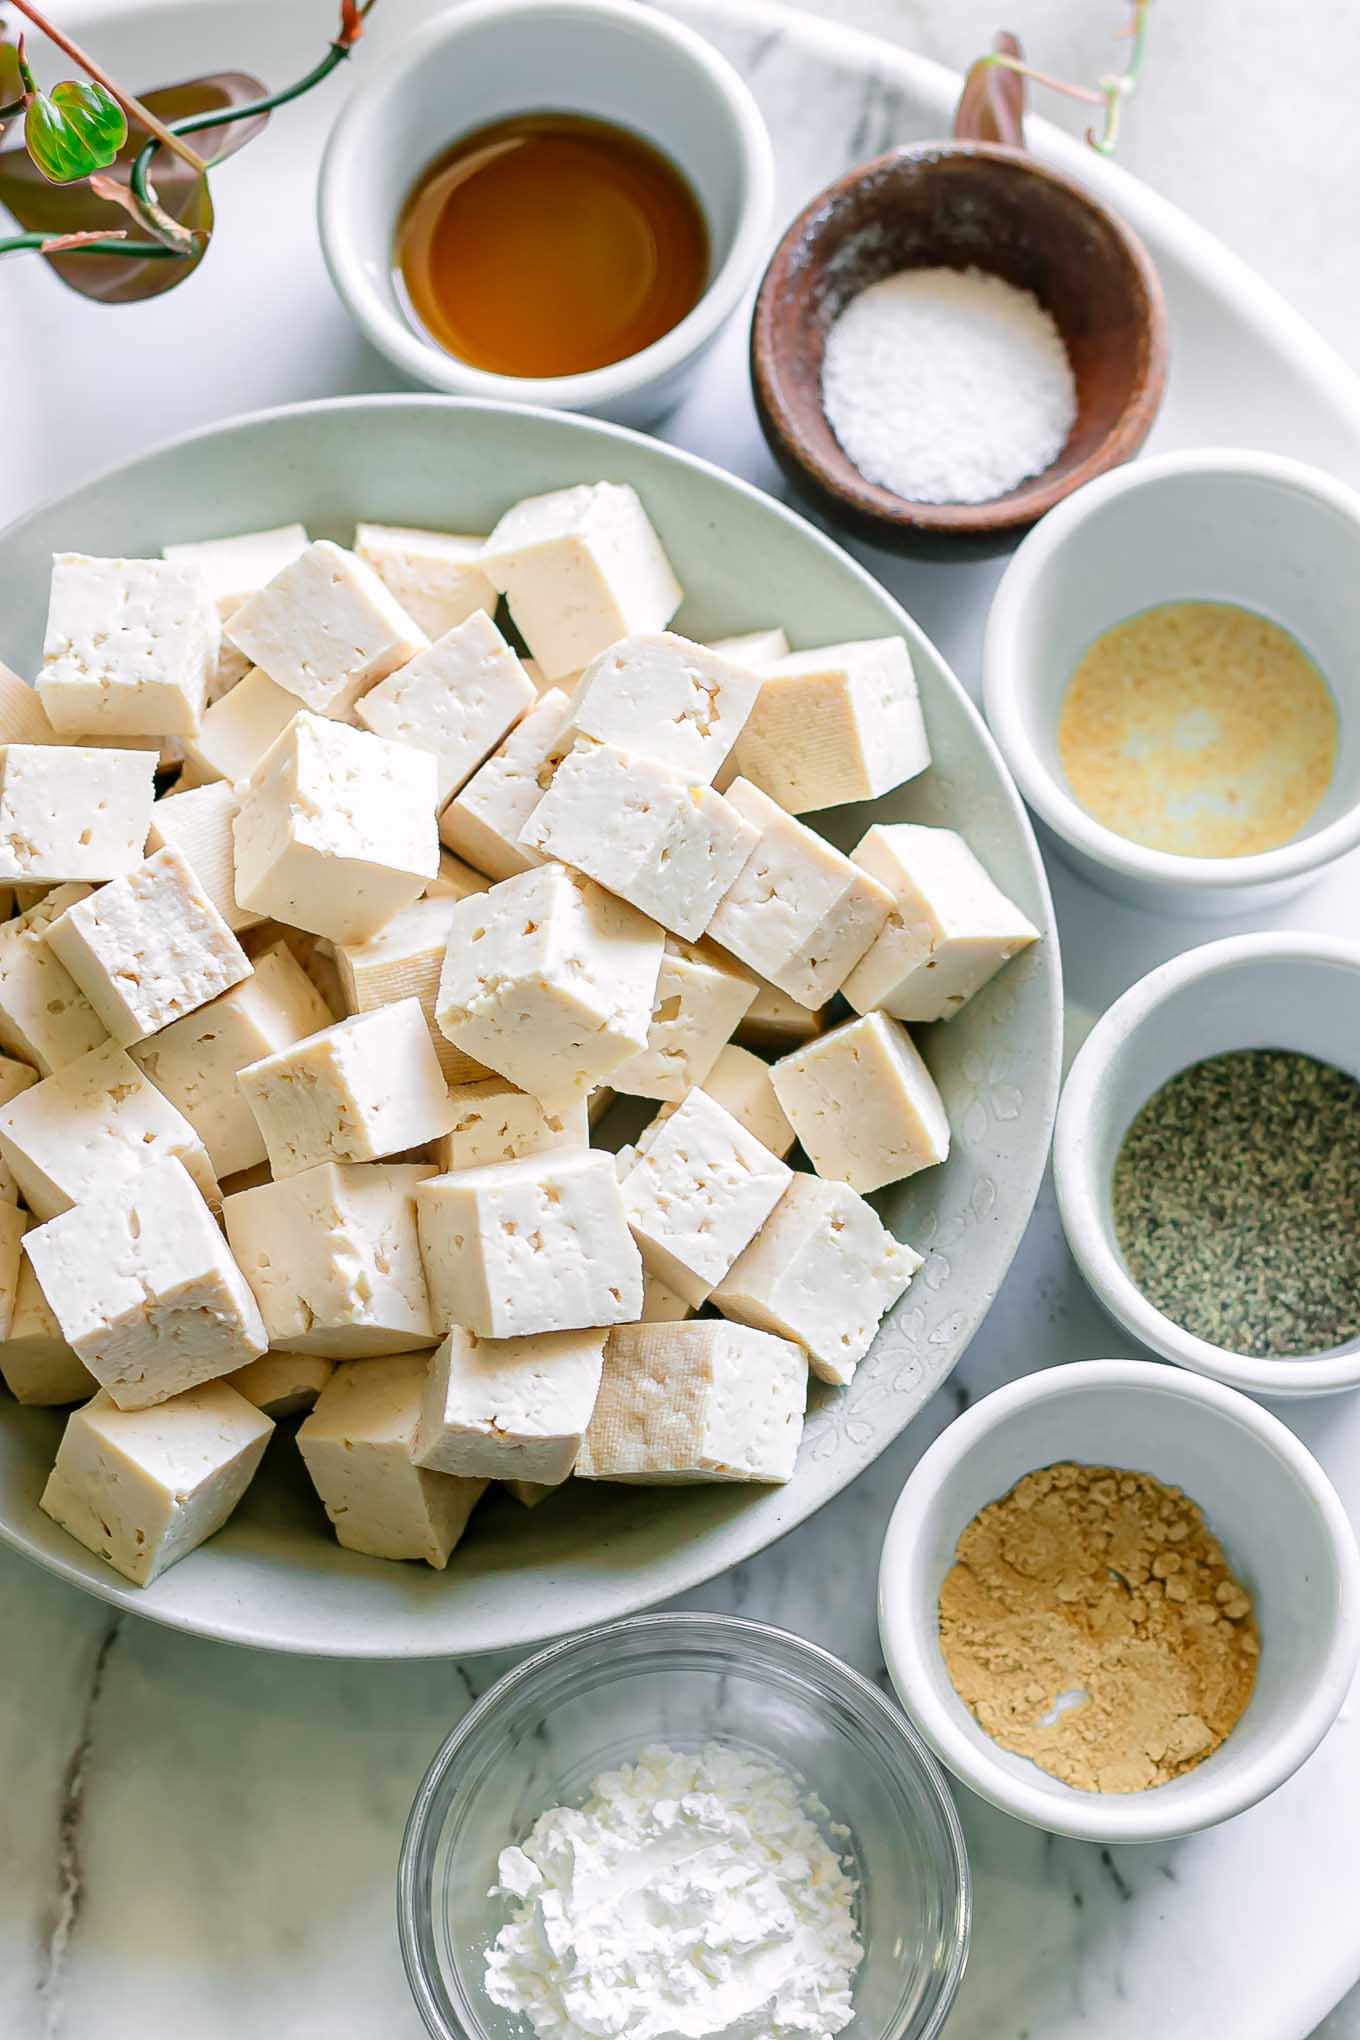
(1199, 728)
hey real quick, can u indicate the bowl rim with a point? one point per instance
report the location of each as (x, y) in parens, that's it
(908, 1634)
(748, 1638)
(1081, 1203)
(1012, 721)
(355, 281)
(877, 507)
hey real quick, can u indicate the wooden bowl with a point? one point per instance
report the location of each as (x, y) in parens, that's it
(959, 205)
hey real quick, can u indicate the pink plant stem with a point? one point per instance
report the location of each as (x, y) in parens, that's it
(133, 108)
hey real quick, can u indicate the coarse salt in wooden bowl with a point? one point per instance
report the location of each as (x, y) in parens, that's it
(959, 205)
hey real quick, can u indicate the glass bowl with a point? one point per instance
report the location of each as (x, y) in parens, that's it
(542, 1734)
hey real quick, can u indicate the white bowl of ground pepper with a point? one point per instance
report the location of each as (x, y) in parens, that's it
(1119, 1601)
(1207, 1162)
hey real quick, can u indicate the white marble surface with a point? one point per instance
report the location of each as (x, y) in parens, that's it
(201, 1843)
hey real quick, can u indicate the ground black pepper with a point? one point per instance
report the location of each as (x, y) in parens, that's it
(1236, 1202)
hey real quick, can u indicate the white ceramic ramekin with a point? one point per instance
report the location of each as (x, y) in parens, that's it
(610, 59)
(1293, 991)
(1264, 1495)
(1251, 528)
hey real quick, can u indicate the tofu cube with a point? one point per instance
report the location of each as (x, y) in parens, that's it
(665, 698)
(139, 1278)
(282, 1384)
(698, 1193)
(493, 1122)
(229, 671)
(660, 1305)
(455, 880)
(509, 1409)
(799, 913)
(863, 1103)
(356, 1445)
(334, 1261)
(458, 699)
(130, 647)
(403, 961)
(336, 831)
(740, 1083)
(704, 1401)
(948, 934)
(23, 719)
(12, 1226)
(68, 813)
(756, 650)
(326, 629)
(148, 948)
(314, 956)
(483, 821)
(549, 981)
(436, 576)
(45, 1018)
(236, 567)
(94, 1125)
(580, 568)
(364, 1088)
(37, 1364)
(239, 728)
(537, 1245)
(195, 1061)
(775, 1021)
(143, 1488)
(843, 723)
(14, 1078)
(199, 825)
(700, 998)
(823, 1270)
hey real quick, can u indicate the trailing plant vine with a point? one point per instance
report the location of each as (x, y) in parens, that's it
(991, 106)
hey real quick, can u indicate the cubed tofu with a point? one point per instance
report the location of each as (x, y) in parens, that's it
(665, 698)
(698, 1193)
(367, 1087)
(799, 913)
(314, 956)
(756, 650)
(199, 825)
(70, 814)
(863, 1103)
(843, 723)
(436, 576)
(334, 1261)
(356, 1445)
(455, 880)
(493, 1122)
(704, 1401)
(130, 647)
(700, 999)
(148, 948)
(139, 1278)
(236, 567)
(283, 1384)
(580, 568)
(459, 699)
(509, 1409)
(740, 1082)
(336, 831)
(23, 719)
(823, 1270)
(37, 1364)
(143, 1488)
(195, 1061)
(776, 1022)
(229, 670)
(14, 1078)
(12, 1226)
(326, 629)
(537, 1245)
(239, 728)
(403, 961)
(45, 1018)
(549, 981)
(661, 1305)
(483, 821)
(949, 932)
(94, 1125)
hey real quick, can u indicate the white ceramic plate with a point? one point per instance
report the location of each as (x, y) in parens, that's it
(275, 1577)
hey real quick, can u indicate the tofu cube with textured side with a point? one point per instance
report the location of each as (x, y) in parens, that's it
(334, 1261)
(356, 1445)
(130, 647)
(36, 1362)
(663, 697)
(549, 981)
(45, 1018)
(336, 831)
(239, 728)
(950, 930)
(580, 568)
(493, 1122)
(700, 999)
(367, 1087)
(740, 1082)
(704, 1401)
(843, 723)
(509, 1409)
(822, 1270)
(863, 1103)
(537, 1245)
(697, 1194)
(404, 961)
(800, 913)
(236, 567)
(148, 948)
(483, 821)
(326, 629)
(459, 699)
(143, 1488)
(282, 1384)
(23, 719)
(199, 825)
(139, 1278)
(69, 814)
(436, 576)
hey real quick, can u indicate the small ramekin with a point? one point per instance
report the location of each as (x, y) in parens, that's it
(1264, 1495)
(1251, 528)
(1292, 991)
(610, 59)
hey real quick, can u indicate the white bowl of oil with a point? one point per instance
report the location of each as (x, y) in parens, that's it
(1249, 531)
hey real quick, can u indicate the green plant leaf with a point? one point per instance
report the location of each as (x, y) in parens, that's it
(73, 130)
